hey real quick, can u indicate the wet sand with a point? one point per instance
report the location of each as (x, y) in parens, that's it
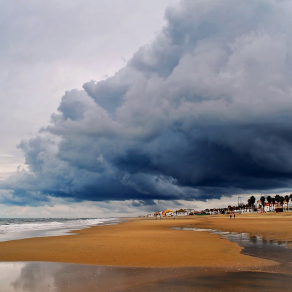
(272, 226)
(58, 277)
(148, 255)
(136, 243)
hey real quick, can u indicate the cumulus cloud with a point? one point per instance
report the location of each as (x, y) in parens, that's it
(202, 112)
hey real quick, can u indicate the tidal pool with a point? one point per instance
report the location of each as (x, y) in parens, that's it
(256, 246)
(60, 277)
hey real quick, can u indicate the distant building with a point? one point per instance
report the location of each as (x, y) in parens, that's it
(190, 211)
(167, 213)
(181, 212)
(289, 206)
(271, 207)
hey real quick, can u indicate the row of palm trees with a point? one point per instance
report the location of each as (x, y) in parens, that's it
(271, 201)
(251, 204)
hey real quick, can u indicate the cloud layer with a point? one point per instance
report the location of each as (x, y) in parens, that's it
(201, 112)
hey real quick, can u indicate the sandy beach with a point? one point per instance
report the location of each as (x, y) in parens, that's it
(153, 243)
(149, 255)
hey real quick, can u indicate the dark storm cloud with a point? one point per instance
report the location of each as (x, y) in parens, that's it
(203, 111)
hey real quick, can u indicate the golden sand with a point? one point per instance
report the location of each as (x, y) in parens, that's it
(152, 243)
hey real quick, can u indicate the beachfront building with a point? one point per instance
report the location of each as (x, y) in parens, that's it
(167, 213)
(214, 211)
(269, 207)
(190, 211)
(289, 206)
(272, 208)
(181, 212)
(245, 208)
(277, 207)
(157, 214)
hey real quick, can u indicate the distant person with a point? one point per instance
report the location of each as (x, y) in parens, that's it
(230, 216)
(234, 216)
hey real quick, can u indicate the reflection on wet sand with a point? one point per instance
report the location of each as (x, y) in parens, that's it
(58, 277)
(259, 247)
(222, 281)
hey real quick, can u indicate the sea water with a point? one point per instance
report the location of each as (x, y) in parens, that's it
(19, 228)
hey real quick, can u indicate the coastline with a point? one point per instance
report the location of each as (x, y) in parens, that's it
(152, 243)
(22, 228)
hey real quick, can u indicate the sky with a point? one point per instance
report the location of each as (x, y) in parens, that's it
(116, 108)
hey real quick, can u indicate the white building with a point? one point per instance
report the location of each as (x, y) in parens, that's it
(181, 212)
(189, 211)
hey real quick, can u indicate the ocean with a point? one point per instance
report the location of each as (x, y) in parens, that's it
(19, 228)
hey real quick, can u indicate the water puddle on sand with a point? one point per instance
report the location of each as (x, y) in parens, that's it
(256, 246)
(58, 277)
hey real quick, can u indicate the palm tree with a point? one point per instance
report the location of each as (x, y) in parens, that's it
(252, 200)
(263, 199)
(287, 198)
(277, 198)
(230, 209)
(282, 201)
(249, 203)
(269, 200)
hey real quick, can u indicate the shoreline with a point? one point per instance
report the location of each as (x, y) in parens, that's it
(150, 243)
(48, 231)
